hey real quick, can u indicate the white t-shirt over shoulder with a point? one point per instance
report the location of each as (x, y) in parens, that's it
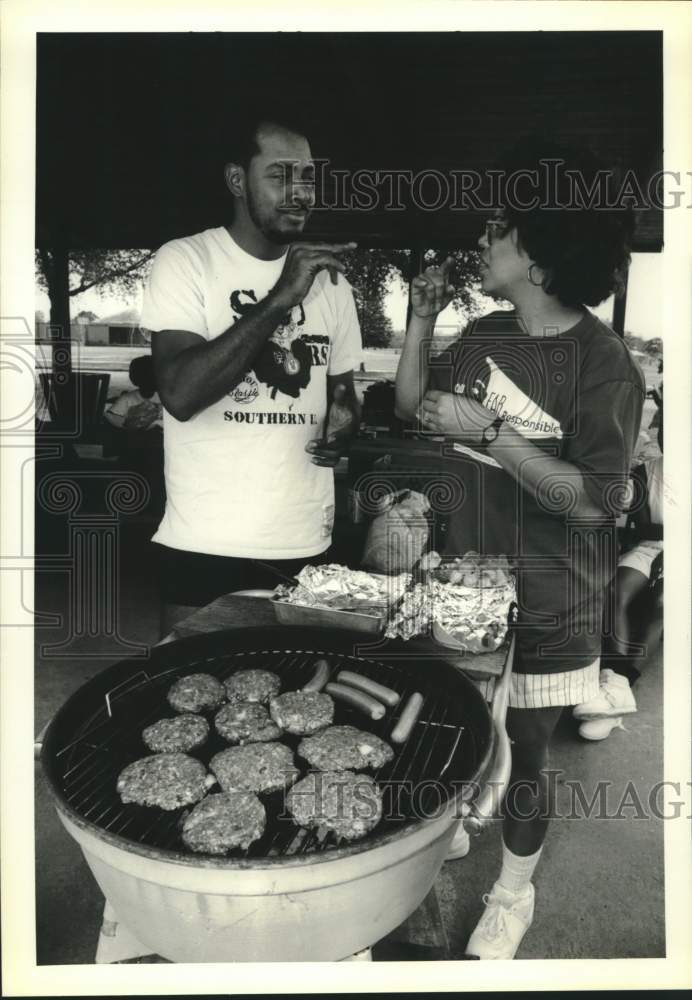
(238, 479)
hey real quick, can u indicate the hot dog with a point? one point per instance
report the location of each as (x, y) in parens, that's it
(407, 719)
(320, 678)
(358, 699)
(378, 691)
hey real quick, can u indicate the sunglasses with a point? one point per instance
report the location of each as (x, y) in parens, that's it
(496, 229)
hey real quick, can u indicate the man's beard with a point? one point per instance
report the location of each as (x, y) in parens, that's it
(275, 235)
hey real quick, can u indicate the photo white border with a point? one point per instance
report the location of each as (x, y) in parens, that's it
(20, 21)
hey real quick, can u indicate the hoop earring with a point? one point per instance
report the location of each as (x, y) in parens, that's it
(529, 275)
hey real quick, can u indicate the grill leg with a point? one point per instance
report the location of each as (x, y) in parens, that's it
(116, 944)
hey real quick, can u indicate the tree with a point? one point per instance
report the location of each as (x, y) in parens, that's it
(107, 271)
(376, 326)
(63, 274)
(85, 316)
(372, 272)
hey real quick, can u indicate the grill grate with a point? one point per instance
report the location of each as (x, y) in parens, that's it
(443, 750)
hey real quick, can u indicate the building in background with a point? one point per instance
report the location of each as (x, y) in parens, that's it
(120, 329)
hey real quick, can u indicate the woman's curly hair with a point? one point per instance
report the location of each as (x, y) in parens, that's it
(580, 240)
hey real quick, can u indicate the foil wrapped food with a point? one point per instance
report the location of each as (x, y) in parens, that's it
(465, 601)
(338, 587)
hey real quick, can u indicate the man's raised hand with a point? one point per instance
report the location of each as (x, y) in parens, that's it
(302, 263)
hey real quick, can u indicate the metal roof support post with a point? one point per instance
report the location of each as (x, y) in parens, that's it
(619, 308)
(59, 291)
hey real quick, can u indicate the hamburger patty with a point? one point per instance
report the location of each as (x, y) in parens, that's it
(224, 821)
(302, 712)
(196, 693)
(252, 685)
(166, 780)
(348, 804)
(343, 748)
(183, 733)
(246, 722)
(260, 767)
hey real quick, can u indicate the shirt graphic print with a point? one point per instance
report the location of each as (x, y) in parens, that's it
(286, 360)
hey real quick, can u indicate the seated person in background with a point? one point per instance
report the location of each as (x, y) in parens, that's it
(138, 441)
(138, 409)
(638, 568)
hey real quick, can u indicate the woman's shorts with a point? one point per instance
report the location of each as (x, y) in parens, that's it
(571, 687)
(641, 557)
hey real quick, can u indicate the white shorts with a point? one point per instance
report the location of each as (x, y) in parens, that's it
(641, 557)
(572, 687)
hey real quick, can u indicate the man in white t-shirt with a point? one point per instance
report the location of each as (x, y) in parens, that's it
(254, 339)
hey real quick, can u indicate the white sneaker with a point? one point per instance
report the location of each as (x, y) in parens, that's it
(599, 729)
(508, 916)
(614, 699)
(460, 846)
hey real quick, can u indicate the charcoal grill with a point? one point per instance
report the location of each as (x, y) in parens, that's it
(293, 894)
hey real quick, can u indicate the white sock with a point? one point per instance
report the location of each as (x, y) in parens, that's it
(517, 870)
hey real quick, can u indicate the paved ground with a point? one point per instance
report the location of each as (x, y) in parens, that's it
(600, 882)
(599, 886)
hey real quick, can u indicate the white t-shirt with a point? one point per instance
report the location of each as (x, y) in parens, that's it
(238, 479)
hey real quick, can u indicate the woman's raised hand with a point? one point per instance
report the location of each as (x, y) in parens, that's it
(431, 291)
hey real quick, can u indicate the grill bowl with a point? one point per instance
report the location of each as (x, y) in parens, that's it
(294, 896)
